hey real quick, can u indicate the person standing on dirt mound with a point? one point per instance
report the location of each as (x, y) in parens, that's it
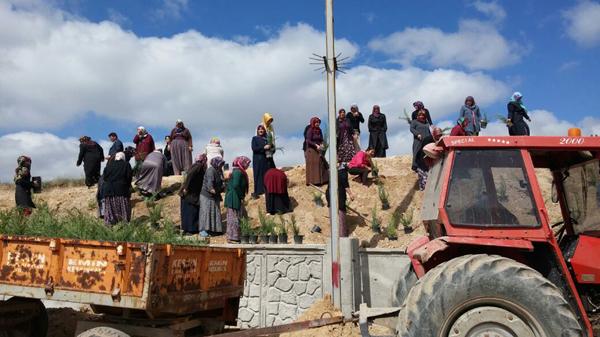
(237, 188)
(91, 155)
(267, 123)
(345, 142)
(517, 114)
(144, 145)
(210, 199)
(116, 190)
(181, 148)
(316, 165)
(355, 117)
(377, 132)
(23, 185)
(260, 162)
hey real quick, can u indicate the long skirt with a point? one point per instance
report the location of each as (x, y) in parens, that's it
(23, 197)
(150, 176)
(277, 203)
(116, 209)
(233, 223)
(210, 215)
(92, 171)
(316, 168)
(346, 150)
(189, 216)
(181, 156)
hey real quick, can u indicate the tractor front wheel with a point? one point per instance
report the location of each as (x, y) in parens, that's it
(486, 295)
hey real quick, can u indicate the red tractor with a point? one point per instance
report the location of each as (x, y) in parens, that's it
(493, 264)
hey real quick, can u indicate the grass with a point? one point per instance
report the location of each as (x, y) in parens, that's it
(78, 225)
(317, 198)
(267, 225)
(63, 182)
(392, 228)
(406, 218)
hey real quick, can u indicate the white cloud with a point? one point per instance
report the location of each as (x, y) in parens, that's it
(171, 9)
(492, 9)
(476, 45)
(117, 17)
(583, 23)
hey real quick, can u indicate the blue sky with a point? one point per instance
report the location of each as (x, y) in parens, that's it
(74, 67)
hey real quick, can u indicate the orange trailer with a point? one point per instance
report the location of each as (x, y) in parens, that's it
(138, 286)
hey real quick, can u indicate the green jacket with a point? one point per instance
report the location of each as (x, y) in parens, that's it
(236, 190)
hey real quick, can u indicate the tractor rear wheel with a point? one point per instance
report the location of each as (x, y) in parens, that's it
(486, 295)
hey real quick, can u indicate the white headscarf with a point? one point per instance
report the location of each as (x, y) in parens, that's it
(120, 156)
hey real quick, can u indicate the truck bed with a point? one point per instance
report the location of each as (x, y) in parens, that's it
(160, 279)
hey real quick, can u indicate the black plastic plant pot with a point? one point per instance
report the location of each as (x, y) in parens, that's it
(376, 230)
(273, 238)
(264, 238)
(253, 239)
(282, 238)
(298, 239)
(408, 230)
(385, 206)
(244, 238)
(392, 238)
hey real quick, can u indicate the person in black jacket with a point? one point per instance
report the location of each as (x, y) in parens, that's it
(91, 154)
(23, 185)
(116, 147)
(260, 162)
(517, 114)
(419, 106)
(377, 129)
(116, 190)
(355, 117)
(190, 195)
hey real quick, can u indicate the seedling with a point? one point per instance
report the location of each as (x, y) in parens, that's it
(375, 222)
(383, 196)
(318, 198)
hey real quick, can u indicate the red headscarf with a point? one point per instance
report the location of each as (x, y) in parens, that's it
(242, 163)
(314, 121)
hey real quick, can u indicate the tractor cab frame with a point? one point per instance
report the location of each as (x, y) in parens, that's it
(483, 197)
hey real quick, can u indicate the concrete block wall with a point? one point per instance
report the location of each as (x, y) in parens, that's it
(282, 281)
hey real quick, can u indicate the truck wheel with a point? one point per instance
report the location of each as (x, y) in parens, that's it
(103, 331)
(406, 281)
(485, 295)
(37, 326)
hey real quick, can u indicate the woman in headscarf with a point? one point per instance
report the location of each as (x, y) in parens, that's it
(421, 136)
(517, 114)
(472, 116)
(181, 148)
(116, 190)
(459, 128)
(419, 106)
(277, 198)
(260, 162)
(316, 166)
(213, 150)
(23, 185)
(149, 179)
(190, 195)
(377, 129)
(345, 140)
(144, 144)
(92, 155)
(210, 199)
(237, 188)
(267, 123)
(167, 152)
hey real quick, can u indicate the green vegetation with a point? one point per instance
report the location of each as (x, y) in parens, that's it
(281, 226)
(294, 225)
(392, 227)
(267, 225)
(317, 198)
(245, 226)
(383, 196)
(375, 222)
(77, 225)
(406, 218)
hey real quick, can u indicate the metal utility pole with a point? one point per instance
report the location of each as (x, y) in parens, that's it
(330, 67)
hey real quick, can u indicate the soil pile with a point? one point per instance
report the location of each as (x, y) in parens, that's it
(398, 180)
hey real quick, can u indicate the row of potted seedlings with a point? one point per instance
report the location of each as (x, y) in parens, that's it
(269, 231)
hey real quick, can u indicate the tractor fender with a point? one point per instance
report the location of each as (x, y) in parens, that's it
(422, 249)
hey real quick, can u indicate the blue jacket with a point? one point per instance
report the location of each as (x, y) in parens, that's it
(116, 147)
(473, 118)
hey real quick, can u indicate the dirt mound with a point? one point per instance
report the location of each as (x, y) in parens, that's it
(398, 179)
